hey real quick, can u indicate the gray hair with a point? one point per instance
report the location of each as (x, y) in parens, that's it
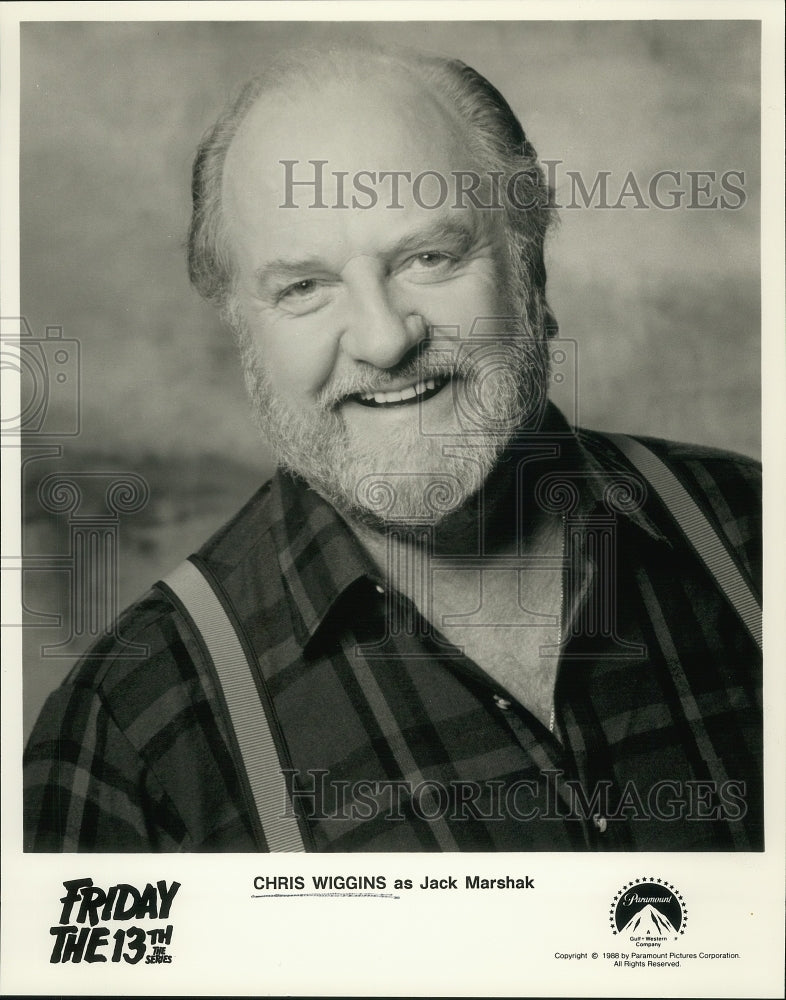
(493, 130)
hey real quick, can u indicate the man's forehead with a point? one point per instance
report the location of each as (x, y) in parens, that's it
(352, 127)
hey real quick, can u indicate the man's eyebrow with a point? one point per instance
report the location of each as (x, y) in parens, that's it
(459, 234)
(284, 269)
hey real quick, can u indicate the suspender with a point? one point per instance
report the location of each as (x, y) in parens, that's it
(253, 727)
(704, 539)
(247, 714)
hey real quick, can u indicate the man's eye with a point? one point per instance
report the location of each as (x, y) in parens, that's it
(300, 290)
(430, 265)
(431, 259)
(304, 296)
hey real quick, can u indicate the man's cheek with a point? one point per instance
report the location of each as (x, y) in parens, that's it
(300, 367)
(453, 306)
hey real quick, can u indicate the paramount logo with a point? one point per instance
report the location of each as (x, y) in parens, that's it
(634, 897)
(649, 922)
(648, 911)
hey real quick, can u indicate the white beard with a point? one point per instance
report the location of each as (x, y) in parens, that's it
(417, 475)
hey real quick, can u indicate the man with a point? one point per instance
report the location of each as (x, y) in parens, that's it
(450, 622)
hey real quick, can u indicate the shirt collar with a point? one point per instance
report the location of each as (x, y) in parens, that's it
(320, 558)
(318, 555)
(610, 484)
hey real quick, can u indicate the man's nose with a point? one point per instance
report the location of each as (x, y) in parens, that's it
(381, 328)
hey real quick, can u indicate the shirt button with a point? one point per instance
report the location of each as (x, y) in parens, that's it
(600, 823)
(379, 590)
(502, 703)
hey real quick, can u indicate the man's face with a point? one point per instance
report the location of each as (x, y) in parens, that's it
(354, 322)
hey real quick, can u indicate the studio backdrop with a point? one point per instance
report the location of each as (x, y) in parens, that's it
(650, 134)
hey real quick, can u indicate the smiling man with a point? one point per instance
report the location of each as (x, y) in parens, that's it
(450, 621)
(339, 307)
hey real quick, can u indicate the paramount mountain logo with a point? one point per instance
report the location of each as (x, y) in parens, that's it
(648, 911)
(649, 922)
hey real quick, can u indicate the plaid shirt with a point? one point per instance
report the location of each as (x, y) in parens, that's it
(392, 740)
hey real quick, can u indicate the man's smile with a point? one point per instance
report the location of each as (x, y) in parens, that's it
(417, 392)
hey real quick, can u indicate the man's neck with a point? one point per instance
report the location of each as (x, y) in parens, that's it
(502, 603)
(498, 520)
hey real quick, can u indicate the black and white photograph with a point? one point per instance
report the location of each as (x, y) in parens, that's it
(392, 402)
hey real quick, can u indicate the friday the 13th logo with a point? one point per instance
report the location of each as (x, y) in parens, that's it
(84, 935)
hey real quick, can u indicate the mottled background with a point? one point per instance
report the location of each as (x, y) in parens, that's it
(664, 305)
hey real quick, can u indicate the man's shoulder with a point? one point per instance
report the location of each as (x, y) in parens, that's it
(671, 450)
(151, 648)
(146, 658)
(685, 453)
(245, 533)
(726, 485)
(703, 469)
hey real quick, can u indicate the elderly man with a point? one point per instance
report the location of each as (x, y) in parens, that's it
(450, 621)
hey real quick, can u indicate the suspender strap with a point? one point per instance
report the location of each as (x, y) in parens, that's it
(251, 725)
(710, 548)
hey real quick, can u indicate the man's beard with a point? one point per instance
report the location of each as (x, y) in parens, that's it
(418, 474)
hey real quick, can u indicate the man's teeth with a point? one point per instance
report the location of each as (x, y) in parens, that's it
(396, 397)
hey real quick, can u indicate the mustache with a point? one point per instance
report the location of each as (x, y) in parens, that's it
(521, 358)
(380, 380)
